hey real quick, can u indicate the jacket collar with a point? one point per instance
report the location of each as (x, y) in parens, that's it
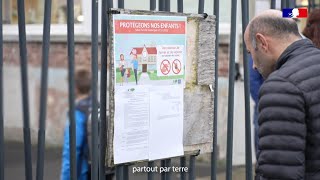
(293, 50)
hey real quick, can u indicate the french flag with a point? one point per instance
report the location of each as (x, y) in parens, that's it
(295, 13)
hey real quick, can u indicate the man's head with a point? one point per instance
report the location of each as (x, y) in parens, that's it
(82, 81)
(267, 36)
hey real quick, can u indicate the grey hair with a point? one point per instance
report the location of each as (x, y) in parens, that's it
(277, 27)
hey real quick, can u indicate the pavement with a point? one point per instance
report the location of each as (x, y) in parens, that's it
(14, 166)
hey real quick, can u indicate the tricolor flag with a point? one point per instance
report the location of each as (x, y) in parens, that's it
(295, 13)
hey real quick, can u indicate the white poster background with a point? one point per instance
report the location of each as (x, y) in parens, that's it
(166, 122)
(131, 124)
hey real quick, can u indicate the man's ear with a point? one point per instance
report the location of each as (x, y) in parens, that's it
(262, 41)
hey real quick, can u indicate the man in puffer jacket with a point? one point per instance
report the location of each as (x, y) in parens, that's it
(289, 106)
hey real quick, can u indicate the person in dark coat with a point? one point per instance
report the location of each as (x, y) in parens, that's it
(289, 98)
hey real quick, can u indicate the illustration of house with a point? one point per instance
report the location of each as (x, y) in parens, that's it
(147, 57)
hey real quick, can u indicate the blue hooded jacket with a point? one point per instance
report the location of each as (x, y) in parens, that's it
(256, 81)
(82, 148)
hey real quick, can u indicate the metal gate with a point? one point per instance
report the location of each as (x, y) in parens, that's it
(100, 124)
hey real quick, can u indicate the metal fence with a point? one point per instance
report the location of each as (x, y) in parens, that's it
(99, 125)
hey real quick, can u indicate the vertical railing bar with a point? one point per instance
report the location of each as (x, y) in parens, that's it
(1, 101)
(119, 175)
(25, 91)
(201, 6)
(150, 174)
(125, 172)
(161, 5)
(291, 4)
(44, 89)
(153, 5)
(168, 174)
(313, 4)
(94, 87)
(273, 4)
(309, 6)
(245, 21)
(182, 159)
(192, 167)
(180, 6)
(103, 88)
(167, 5)
(163, 164)
(72, 126)
(151, 163)
(283, 4)
(231, 89)
(121, 4)
(182, 164)
(215, 108)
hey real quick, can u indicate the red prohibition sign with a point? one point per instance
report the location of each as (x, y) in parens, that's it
(165, 67)
(176, 66)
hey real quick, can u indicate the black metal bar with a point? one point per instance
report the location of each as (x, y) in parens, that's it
(103, 87)
(313, 4)
(182, 159)
(72, 126)
(150, 174)
(231, 89)
(153, 5)
(25, 92)
(167, 5)
(215, 107)
(273, 4)
(245, 21)
(125, 172)
(201, 6)
(169, 173)
(161, 5)
(121, 4)
(163, 164)
(192, 167)
(182, 164)
(283, 4)
(291, 3)
(309, 6)
(180, 6)
(44, 89)
(1, 101)
(94, 92)
(119, 175)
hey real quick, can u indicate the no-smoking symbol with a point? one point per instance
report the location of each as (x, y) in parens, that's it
(165, 67)
(176, 66)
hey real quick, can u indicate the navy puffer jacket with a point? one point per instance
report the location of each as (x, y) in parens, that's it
(289, 116)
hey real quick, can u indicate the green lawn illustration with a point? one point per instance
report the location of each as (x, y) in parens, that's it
(153, 76)
(130, 79)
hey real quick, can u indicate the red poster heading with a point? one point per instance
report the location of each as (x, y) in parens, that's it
(149, 27)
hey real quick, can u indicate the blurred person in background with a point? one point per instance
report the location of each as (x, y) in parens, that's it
(82, 112)
(312, 29)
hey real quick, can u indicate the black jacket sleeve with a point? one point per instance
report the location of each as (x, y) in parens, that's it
(282, 131)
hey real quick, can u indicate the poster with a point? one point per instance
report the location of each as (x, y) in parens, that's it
(149, 68)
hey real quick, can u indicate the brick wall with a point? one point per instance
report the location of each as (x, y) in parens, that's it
(57, 86)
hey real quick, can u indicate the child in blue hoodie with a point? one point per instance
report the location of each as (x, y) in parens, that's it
(82, 111)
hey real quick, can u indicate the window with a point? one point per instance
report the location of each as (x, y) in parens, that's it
(34, 10)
